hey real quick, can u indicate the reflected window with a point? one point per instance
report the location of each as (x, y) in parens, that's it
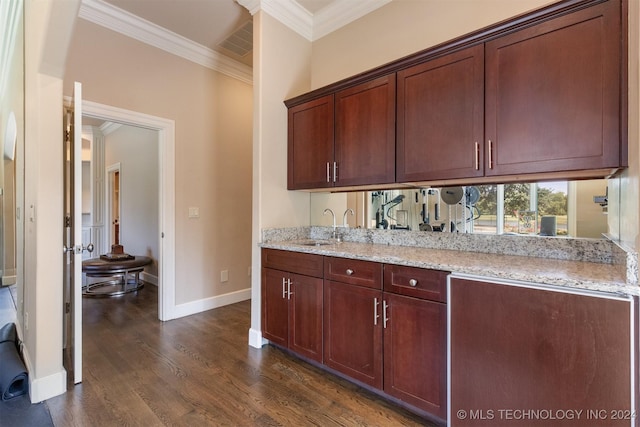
(536, 208)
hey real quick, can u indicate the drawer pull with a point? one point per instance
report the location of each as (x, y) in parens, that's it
(413, 282)
(349, 272)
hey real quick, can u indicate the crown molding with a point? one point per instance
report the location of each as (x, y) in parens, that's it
(340, 13)
(313, 27)
(123, 22)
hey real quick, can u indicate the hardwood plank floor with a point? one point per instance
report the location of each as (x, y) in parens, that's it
(200, 371)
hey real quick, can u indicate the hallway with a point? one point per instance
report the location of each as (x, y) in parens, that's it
(200, 371)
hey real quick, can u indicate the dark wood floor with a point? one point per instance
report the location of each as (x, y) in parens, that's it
(200, 371)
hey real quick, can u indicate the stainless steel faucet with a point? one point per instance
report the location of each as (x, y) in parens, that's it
(344, 217)
(334, 235)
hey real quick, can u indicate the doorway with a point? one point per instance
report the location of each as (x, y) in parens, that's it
(165, 130)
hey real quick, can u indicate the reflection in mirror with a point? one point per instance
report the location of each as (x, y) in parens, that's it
(563, 208)
(571, 209)
(11, 136)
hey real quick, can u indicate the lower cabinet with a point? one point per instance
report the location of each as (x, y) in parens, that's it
(530, 356)
(381, 325)
(393, 342)
(415, 352)
(292, 302)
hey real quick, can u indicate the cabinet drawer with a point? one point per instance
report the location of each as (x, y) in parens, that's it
(416, 282)
(293, 262)
(354, 272)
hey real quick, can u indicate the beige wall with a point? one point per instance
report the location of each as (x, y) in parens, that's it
(136, 150)
(403, 27)
(213, 122)
(281, 70)
(48, 28)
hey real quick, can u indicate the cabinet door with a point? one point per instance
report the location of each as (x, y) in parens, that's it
(353, 331)
(553, 95)
(515, 347)
(310, 144)
(415, 352)
(365, 133)
(441, 118)
(275, 307)
(305, 320)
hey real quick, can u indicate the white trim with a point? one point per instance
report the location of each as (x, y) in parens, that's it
(149, 278)
(340, 13)
(199, 306)
(44, 388)
(9, 280)
(166, 208)
(130, 25)
(314, 26)
(255, 338)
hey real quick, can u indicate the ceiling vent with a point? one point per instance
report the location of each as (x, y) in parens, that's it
(240, 41)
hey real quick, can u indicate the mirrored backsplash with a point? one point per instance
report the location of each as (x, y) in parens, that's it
(564, 208)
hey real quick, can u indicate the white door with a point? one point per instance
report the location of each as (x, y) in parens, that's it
(73, 236)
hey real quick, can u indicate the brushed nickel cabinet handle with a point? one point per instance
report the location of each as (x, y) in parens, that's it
(385, 318)
(335, 171)
(490, 154)
(375, 311)
(284, 292)
(328, 173)
(349, 272)
(477, 156)
(413, 282)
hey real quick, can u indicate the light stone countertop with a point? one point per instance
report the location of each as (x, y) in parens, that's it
(564, 273)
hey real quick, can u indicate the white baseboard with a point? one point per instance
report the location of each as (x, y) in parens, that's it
(41, 389)
(9, 280)
(199, 306)
(149, 278)
(255, 338)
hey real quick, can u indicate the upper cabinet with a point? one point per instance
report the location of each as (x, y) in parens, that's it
(310, 149)
(365, 133)
(540, 96)
(441, 118)
(553, 95)
(344, 139)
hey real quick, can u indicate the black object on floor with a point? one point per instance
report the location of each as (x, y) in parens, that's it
(19, 412)
(13, 374)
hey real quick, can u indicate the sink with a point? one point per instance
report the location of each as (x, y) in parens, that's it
(316, 243)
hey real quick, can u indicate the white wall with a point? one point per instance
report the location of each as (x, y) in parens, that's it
(137, 151)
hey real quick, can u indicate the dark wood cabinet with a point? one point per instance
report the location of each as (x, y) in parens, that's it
(365, 129)
(537, 349)
(540, 96)
(353, 319)
(292, 303)
(553, 95)
(440, 125)
(310, 153)
(344, 139)
(353, 331)
(415, 337)
(415, 352)
(394, 341)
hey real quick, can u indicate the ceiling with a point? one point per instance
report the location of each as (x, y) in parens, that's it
(206, 22)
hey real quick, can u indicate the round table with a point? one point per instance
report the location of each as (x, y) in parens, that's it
(124, 274)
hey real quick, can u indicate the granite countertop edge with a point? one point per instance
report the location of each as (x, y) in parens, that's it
(579, 275)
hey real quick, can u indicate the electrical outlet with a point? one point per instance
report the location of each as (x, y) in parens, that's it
(224, 276)
(26, 321)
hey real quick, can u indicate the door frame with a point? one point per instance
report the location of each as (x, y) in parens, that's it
(111, 170)
(166, 199)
